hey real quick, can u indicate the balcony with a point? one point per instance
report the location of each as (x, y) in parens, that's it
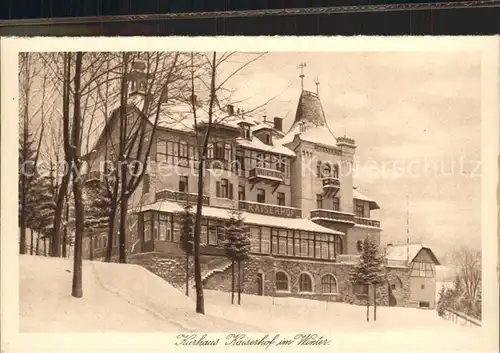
(333, 216)
(266, 175)
(367, 222)
(179, 197)
(331, 186)
(270, 210)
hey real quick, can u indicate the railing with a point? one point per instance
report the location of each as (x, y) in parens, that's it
(179, 196)
(331, 182)
(265, 173)
(332, 215)
(367, 222)
(461, 318)
(270, 210)
(348, 259)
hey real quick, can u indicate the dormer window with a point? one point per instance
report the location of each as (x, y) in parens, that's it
(268, 139)
(245, 132)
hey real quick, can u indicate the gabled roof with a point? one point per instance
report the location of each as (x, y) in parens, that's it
(404, 251)
(360, 196)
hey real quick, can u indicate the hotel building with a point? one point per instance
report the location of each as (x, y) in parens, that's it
(305, 218)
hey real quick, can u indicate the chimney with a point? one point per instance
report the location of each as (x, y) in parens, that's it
(278, 124)
(230, 109)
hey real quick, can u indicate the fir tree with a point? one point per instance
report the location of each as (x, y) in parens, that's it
(370, 270)
(97, 202)
(187, 239)
(40, 206)
(237, 246)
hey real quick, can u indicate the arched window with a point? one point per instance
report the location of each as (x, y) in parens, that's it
(305, 283)
(328, 284)
(281, 281)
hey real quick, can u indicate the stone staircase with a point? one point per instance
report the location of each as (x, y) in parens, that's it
(205, 275)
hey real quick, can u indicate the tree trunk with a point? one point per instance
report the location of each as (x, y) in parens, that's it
(232, 282)
(187, 274)
(374, 302)
(368, 304)
(44, 246)
(63, 188)
(37, 250)
(111, 224)
(91, 248)
(77, 290)
(123, 218)
(200, 302)
(239, 282)
(22, 221)
(65, 230)
(31, 241)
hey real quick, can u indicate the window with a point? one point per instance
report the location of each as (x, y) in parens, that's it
(360, 209)
(245, 131)
(219, 151)
(328, 284)
(281, 199)
(305, 283)
(161, 150)
(319, 201)
(260, 160)
(335, 172)
(281, 281)
(339, 246)
(240, 161)
(359, 246)
(224, 189)
(422, 286)
(261, 195)
(255, 239)
(183, 153)
(183, 183)
(318, 170)
(212, 235)
(268, 139)
(265, 240)
(336, 204)
(280, 165)
(241, 192)
(393, 287)
(327, 171)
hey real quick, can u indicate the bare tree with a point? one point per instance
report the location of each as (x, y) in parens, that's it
(75, 157)
(468, 262)
(211, 76)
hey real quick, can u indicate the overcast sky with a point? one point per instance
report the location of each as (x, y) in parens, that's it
(419, 112)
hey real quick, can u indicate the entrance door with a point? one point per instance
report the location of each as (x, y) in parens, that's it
(392, 298)
(260, 284)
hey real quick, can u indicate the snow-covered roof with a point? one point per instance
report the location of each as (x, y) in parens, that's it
(410, 251)
(360, 196)
(255, 143)
(250, 218)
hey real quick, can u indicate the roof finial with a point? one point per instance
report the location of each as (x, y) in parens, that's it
(316, 82)
(301, 67)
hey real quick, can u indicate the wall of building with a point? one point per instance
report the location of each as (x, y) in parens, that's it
(423, 289)
(359, 233)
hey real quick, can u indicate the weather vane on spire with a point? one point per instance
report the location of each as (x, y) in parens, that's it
(301, 67)
(316, 82)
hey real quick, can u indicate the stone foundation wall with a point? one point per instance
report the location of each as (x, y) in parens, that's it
(171, 267)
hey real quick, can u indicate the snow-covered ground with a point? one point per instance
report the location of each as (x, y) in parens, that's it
(128, 298)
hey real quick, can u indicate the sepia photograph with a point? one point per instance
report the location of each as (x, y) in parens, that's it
(251, 197)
